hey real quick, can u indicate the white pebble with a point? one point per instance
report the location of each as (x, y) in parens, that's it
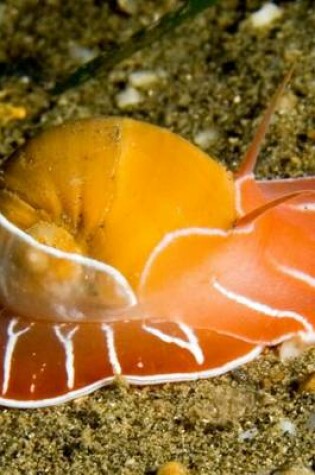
(248, 434)
(81, 53)
(143, 79)
(292, 348)
(204, 138)
(268, 13)
(287, 427)
(128, 98)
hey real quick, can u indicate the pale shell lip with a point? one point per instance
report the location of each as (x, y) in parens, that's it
(30, 283)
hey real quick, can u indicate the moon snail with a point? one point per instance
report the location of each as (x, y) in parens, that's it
(125, 250)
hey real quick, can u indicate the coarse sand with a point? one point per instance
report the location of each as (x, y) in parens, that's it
(208, 81)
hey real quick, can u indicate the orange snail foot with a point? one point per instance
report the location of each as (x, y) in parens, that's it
(34, 374)
(242, 282)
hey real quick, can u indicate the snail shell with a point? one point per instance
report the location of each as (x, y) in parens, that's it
(95, 197)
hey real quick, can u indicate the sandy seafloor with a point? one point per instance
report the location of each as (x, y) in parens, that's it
(215, 73)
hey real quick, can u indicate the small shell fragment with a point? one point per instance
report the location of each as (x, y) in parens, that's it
(266, 15)
(287, 427)
(204, 138)
(128, 97)
(292, 348)
(143, 79)
(80, 53)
